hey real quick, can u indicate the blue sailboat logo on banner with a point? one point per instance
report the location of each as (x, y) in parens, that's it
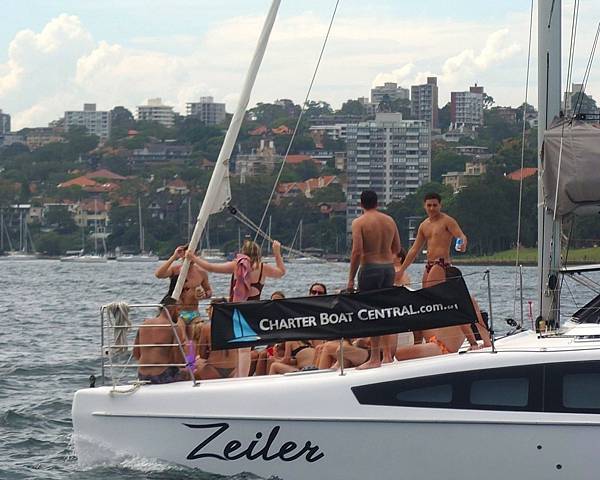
(242, 331)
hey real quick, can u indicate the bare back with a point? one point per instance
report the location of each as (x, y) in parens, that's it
(156, 331)
(217, 358)
(378, 235)
(438, 234)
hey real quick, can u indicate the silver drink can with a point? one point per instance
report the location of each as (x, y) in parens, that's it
(458, 246)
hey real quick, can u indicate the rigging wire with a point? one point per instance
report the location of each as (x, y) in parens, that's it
(565, 262)
(574, 23)
(302, 110)
(522, 160)
(586, 75)
(246, 221)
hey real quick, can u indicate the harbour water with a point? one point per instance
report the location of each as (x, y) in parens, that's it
(49, 346)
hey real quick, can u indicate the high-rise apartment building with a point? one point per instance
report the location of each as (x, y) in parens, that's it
(210, 112)
(424, 101)
(94, 121)
(466, 108)
(389, 155)
(576, 99)
(156, 111)
(389, 89)
(4, 123)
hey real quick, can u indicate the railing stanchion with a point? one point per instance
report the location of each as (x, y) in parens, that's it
(491, 315)
(521, 291)
(102, 342)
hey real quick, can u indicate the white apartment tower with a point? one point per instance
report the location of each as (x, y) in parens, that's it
(389, 155)
(156, 111)
(94, 121)
(466, 108)
(424, 101)
(207, 110)
(4, 123)
(389, 89)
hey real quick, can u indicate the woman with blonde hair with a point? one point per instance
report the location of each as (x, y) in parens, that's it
(248, 274)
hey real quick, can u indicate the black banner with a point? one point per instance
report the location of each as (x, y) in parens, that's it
(347, 315)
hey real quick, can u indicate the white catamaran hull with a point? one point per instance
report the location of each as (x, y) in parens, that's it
(311, 425)
(84, 259)
(138, 258)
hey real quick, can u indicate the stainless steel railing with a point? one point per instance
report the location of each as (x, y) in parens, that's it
(111, 361)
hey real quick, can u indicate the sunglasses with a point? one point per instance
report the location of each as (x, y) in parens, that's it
(316, 292)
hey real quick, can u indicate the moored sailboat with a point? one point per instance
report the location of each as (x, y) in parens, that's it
(81, 256)
(142, 256)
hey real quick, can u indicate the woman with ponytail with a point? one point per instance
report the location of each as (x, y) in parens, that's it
(248, 275)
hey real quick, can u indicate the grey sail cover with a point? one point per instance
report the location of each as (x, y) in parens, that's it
(579, 179)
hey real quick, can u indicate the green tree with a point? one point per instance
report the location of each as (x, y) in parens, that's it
(121, 121)
(353, 107)
(488, 101)
(402, 105)
(317, 108)
(332, 193)
(61, 220)
(444, 160)
(444, 117)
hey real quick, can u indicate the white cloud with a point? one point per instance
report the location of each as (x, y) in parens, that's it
(63, 66)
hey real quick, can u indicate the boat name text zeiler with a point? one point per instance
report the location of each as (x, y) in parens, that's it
(257, 449)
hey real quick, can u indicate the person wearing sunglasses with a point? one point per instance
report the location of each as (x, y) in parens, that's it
(317, 288)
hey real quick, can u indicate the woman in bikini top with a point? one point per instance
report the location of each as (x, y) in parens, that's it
(264, 270)
(258, 285)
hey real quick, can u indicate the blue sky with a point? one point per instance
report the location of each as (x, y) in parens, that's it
(57, 55)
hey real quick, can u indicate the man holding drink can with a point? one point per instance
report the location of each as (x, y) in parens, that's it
(437, 232)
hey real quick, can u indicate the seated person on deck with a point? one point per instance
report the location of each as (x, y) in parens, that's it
(217, 363)
(440, 341)
(270, 353)
(299, 355)
(154, 360)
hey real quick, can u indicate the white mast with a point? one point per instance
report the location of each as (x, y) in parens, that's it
(21, 229)
(95, 227)
(549, 95)
(140, 225)
(218, 192)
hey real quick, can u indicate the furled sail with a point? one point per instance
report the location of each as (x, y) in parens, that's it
(571, 162)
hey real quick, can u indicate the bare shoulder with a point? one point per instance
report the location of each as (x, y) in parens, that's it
(199, 270)
(357, 222)
(388, 217)
(175, 269)
(448, 220)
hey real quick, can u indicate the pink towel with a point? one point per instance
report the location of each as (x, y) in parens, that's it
(241, 278)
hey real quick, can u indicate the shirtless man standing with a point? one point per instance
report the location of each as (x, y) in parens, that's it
(437, 231)
(159, 333)
(375, 241)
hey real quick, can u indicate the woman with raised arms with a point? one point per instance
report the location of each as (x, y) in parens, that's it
(248, 275)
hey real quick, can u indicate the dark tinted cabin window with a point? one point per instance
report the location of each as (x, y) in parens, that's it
(573, 387)
(500, 392)
(581, 390)
(435, 394)
(514, 388)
